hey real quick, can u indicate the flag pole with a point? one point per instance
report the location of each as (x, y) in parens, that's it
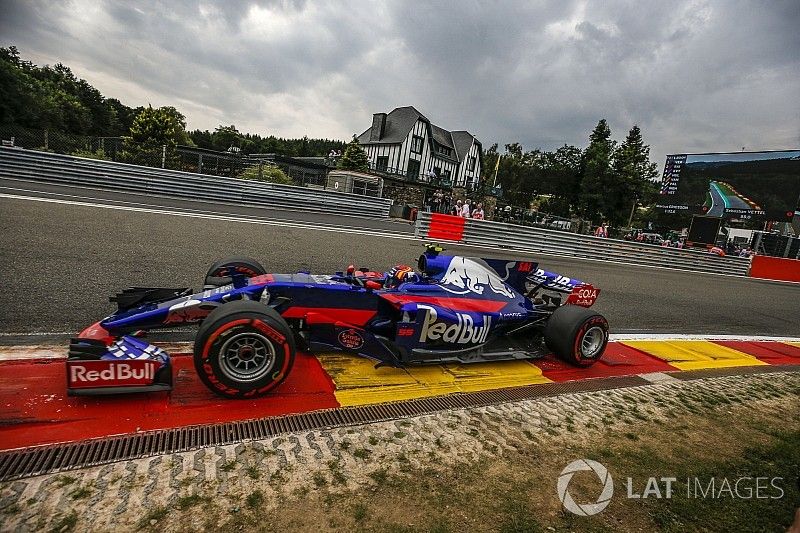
(496, 168)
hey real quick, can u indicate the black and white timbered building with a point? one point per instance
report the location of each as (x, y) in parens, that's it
(405, 143)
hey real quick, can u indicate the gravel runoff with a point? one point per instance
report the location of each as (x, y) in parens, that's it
(119, 496)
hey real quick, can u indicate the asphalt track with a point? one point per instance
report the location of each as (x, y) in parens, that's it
(60, 262)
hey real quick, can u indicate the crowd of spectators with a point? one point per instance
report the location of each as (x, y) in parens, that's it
(439, 202)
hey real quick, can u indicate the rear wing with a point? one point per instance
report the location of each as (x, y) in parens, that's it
(580, 293)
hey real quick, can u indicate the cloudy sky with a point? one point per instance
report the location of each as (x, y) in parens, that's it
(695, 75)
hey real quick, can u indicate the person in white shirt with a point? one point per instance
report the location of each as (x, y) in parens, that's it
(465, 211)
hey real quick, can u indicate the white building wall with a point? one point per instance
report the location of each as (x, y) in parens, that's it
(465, 176)
(390, 151)
(398, 156)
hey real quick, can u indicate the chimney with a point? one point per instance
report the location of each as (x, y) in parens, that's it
(378, 126)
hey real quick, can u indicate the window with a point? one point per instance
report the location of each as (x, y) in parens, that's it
(471, 165)
(416, 144)
(382, 163)
(446, 175)
(413, 169)
(443, 150)
(366, 188)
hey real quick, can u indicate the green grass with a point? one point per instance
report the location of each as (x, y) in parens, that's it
(65, 524)
(228, 465)
(361, 453)
(189, 501)
(253, 472)
(781, 458)
(319, 479)
(80, 493)
(254, 499)
(359, 512)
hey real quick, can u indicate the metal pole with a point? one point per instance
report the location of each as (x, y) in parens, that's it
(633, 208)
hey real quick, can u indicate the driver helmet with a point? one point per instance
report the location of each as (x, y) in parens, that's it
(400, 274)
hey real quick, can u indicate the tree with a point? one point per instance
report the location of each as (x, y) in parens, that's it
(225, 137)
(163, 126)
(354, 158)
(559, 177)
(596, 177)
(267, 173)
(634, 172)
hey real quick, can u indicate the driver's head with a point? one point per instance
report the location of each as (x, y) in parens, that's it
(400, 274)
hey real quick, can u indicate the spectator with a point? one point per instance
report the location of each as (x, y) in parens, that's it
(602, 231)
(465, 211)
(716, 250)
(456, 210)
(438, 197)
(477, 213)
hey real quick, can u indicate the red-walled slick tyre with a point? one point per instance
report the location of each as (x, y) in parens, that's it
(577, 335)
(243, 349)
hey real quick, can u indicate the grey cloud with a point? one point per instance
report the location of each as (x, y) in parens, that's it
(694, 74)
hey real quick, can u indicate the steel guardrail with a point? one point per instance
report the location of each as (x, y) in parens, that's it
(512, 237)
(70, 170)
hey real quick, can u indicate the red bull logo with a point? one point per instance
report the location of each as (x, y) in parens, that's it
(90, 374)
(465, 276)
(464, 331)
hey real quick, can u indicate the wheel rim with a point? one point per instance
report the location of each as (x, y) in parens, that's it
(592, 342)
(246, 357)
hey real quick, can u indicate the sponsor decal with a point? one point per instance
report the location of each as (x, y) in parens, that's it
(583, 295)
(466, 276)
(323, 280)
(553, 281)
(189, 311)
(463, 331)
(405, 332)
(351, 339)
(525, 266)
(92, 374)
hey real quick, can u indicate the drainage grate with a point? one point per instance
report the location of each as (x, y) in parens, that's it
(45, 459)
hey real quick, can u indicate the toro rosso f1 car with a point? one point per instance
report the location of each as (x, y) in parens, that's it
(451, 309)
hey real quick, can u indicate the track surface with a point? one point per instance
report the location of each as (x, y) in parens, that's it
(61, 262)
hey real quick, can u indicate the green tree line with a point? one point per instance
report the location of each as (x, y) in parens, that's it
(53, 98)
(602, 182)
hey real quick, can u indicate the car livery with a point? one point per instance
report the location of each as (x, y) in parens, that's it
(452, 309)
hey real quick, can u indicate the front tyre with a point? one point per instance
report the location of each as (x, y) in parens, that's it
(243, 349)
(219, 273)
(576, 335)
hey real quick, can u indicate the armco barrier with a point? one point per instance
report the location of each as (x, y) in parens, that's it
(537, 240)
(777, 268)
(70, 170)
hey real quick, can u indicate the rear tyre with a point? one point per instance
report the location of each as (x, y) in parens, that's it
(219, 273)
(577, 335)
(243, 349)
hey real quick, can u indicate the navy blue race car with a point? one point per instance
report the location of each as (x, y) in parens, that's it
(451, 309)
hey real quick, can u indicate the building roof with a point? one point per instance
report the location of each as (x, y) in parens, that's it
(398, 123)
(462, 140)
(401, 120)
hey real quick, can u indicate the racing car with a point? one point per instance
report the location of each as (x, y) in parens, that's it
(450, 309)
